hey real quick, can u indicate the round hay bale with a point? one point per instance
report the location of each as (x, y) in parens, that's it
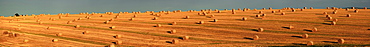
(327, 16)
(325, 13)
(131, 19)
(187, 17)
(175, 41)
(333, 23)
(159, 25)
(155, 18)
(273, 12)
(356, 11)
(173, 23)
(69, 22)
(348, 15)
(291, 27)
(55, 40)
(59, 34)
(282, 13)
(173, 31)
(215, 20)
(201, 22)
(260, 30)
(85, 32)
(112, 45)
(341, 41)
(101, 15)
(77, 26)
(118, 36)
(185, 38)
(255, 37)
(309, 43)
(112, 27)
(305, 36)
(118, 42)
(335, 20)
(26, 40)
(244, 18)
(260, 12)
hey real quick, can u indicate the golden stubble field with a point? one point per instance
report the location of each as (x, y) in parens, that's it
(237, 27)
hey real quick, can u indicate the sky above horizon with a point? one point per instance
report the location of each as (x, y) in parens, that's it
(9, 7)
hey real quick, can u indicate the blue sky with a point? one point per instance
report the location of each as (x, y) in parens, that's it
(9, 7)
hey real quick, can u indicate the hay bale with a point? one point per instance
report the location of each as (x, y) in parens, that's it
(282, 13)
(334, 12)
(173, 31)
(159, 25)
(291, 27)
(185, 38)
(314, 29)
(69, 22)
(77, 26)
(79, 19)
(325, 13)
(106, 22)
(111, 20)
(135, 16)
(118, 42)
(258, 15)
(26, 40)
(60, 17)
(305, 36)
(260, 29)
(112, 45)
(244, 18)
(132, 19)
(59, 34)
(212, 16)
(55, 40)
(329, 18)
(263, 15)
(335, 20)
(260, 12)
(341, 41)
(333, 23)
(273, 12)
(47, 27)
(7, 32)
(309, 43)
(112, 27)
(187, 17)
(255, 37)
(40, 22)
(155, 18)
(85, 32)
(101, 15)
(118, 36)
(280, 10)
(356, 11)
(173, 23)
(201, 22)
(215, 20)
(218, 11)
(175, 41)
(75, 20)
(348, 15)
(365, 8)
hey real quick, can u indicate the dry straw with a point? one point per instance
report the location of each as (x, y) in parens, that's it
(260, 29)
(173, 31)
(341, 41)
